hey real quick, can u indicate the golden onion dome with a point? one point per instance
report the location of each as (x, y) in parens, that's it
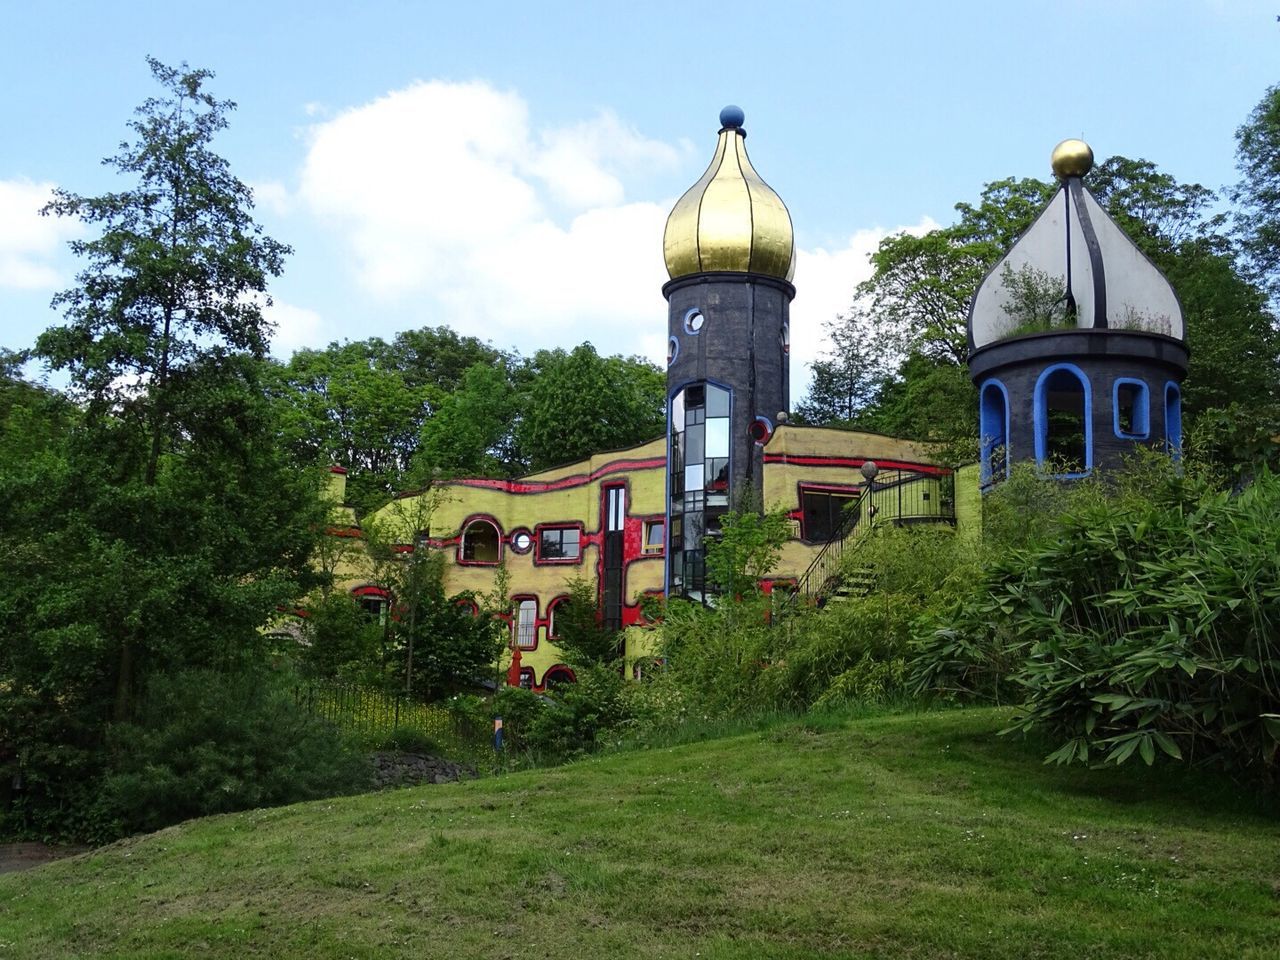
(730, 219)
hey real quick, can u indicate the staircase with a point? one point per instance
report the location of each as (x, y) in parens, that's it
(831, 578)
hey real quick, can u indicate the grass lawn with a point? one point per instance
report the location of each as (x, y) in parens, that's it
(894, 836)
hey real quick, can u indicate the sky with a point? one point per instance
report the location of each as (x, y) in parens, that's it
(506, 169)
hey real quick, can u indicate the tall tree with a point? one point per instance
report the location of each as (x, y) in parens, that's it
(163, 340)
(178, 274)
(1258, 192)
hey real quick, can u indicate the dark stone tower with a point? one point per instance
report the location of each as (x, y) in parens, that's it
(1076, 342)
(730, 251)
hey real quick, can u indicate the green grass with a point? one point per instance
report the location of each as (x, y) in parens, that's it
(898, 836)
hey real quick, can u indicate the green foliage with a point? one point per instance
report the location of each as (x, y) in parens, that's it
(580, 631)
(747, 550)
(579, 403)
(188, 755)
(1258, 192)
(1143, 623)
(470, 432)
(340, 640)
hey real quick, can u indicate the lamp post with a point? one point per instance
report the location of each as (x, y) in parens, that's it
(870, 470)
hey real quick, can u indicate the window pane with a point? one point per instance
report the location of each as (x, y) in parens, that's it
(717, 402)
(717, 439)
(693, 477)
(677, 412)
(693, 446)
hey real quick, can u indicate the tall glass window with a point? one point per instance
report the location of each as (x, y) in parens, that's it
(698, 482)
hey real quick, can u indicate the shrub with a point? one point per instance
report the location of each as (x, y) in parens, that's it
(1145, 624)
(209, 742)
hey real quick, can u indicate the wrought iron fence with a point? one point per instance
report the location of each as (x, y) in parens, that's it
(376, 716)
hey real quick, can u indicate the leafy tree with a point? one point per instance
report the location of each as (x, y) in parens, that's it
(363, 404)
(580, 630)
(1258, 192)
(579, 403)
(178, 275)
(848, 377)
(471, 431)
(164, 525)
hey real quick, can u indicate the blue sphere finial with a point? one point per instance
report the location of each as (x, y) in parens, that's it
(732, 117)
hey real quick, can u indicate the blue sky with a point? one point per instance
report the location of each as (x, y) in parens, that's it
(506, 169)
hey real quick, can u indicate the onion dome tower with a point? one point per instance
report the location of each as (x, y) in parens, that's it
(1076, 341)
(730, 252)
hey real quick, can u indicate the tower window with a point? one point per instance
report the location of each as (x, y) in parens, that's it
(673, 350)
(1063, 411)
(994, 428)
(694, 321)
(1173, 420)
(1132, 405)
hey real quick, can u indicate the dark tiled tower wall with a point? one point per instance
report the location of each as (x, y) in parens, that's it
(1103, 357)
(740, 346)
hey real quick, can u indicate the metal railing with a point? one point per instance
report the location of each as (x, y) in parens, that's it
(908, 499)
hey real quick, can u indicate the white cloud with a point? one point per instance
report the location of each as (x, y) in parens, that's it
(295, 328)
(445, 191)
(29, 243)
(273, 195)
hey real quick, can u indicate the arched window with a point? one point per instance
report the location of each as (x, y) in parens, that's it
(1063, 421)
(1131, 406)
(480, 542)
(1173, 420)
(558, 676)
(993, 421)
(374, 601)
(554, 609)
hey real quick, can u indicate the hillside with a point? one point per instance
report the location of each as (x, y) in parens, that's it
(916, 835)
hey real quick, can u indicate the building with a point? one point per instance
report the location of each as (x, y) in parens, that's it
(1071, 336)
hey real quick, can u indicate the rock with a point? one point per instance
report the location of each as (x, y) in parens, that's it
(393, 769)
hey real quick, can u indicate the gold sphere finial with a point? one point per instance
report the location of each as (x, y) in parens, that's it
(1072, 158)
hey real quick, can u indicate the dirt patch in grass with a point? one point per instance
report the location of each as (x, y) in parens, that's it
(24, 856)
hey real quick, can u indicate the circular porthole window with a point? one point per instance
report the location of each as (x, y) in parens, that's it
(761, 430)
(693, 321)
(521, 541)
(673, 350)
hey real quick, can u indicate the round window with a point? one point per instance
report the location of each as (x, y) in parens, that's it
(693, 321)
(761, 430)
(673, 350)
(521, 541)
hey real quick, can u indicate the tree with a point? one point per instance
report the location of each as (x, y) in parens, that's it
(1258, 192)
(579, 403)
(848, 376)
(472, 430)
(177, 277)
(165, 526)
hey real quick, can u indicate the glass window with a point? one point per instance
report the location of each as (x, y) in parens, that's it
(823, 513)
(654, 531)
(993, 420)
(717, 401)
(480, 542)
(559, 543)
(526, 623)
(717, 437)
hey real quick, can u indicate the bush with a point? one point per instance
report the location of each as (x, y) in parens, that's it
(1144, 624)
(209, 742)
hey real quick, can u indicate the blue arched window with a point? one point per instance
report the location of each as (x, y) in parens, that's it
(1064, 421)
(1173, 420)
(1131, 409)
(993, 420)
